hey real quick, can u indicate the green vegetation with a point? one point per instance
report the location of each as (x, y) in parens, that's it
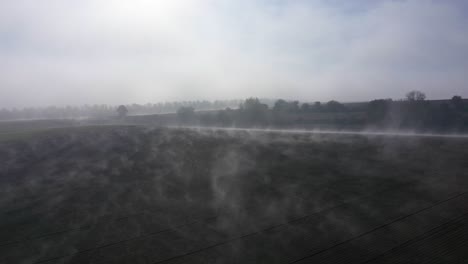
(122, 111)
(415, 113)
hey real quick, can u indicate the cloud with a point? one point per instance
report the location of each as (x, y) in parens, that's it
(102, 51)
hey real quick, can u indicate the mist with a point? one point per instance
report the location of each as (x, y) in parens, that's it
(233, 131)
(163, 195)
(121, 52)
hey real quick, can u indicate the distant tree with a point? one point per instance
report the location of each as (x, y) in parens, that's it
(305, 107)
(122, 111)
(334, 106)
(280, 106)
(415, 96)
(253, 112)
(294, 106)
(417, 112)
(285, 106)
(280, 110)
(457, 103)
(186, 114)
(253, 104)
(378, 110)
(317, 106)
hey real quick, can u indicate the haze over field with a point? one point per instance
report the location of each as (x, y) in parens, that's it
(117, 52)
(233, 131)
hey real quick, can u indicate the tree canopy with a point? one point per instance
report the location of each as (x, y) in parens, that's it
(122, 111)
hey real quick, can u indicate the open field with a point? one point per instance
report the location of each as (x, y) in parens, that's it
(30, 125)
(126, 194)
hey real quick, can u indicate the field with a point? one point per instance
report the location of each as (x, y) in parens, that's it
(130, 194)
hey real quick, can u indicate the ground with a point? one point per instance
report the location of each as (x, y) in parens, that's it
(140, 195)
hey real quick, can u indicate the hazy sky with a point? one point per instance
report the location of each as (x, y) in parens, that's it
(125, 51)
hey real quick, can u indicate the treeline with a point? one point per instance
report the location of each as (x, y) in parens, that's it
(419, 114)
(104, 111)
(414, 113)
(254, 112)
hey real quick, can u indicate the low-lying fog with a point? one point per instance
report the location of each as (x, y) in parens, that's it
(393, 133)
(171, 192)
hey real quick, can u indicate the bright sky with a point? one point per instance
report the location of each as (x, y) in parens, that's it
(125, 51)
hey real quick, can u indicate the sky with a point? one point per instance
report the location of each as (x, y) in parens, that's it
(67, 52)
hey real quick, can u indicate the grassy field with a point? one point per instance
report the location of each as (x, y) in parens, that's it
(128, 194)
(22, 129)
